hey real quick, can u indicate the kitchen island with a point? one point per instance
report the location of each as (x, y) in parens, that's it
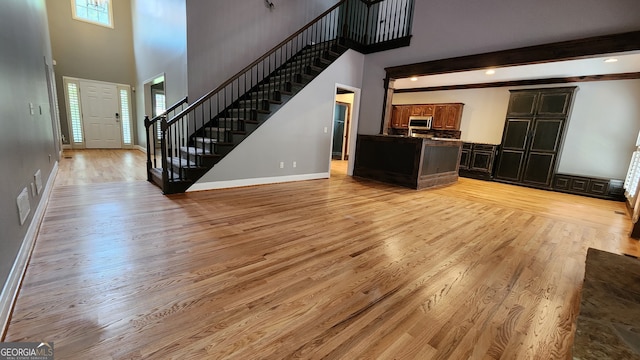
(413, 162)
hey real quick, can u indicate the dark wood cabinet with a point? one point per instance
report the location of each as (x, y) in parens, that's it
(533, 135)
(611, 189)
(465, 155)
(477, 160)
(445, 116)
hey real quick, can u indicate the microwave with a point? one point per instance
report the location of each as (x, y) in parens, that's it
(419, 123)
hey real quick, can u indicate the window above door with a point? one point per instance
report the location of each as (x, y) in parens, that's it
(97, 12)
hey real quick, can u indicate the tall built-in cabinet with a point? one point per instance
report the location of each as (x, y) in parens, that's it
(533, 134)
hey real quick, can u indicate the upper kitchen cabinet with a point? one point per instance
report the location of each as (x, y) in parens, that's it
(447, 116)
(400, 116)
(422, 110)
(453, 117)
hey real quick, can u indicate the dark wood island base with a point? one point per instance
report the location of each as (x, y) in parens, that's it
(413, 162)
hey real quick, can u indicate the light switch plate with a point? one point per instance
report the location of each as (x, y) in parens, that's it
(38, 180)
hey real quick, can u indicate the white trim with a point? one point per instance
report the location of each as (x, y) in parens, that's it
(255, 181)
(14, 280)
(141, 148)
(67, 147)
(353, 128)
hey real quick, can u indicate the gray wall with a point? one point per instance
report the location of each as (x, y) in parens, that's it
(296, 132)
(225, 36)
(160, 47)
(601, 135)
(448, 28)
(90, 51)
(26, 141)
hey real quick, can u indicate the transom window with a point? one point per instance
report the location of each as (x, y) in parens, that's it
(94, 11)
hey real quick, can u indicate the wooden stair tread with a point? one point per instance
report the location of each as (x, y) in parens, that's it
(198, 151)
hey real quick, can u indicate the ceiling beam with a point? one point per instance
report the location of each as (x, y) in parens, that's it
(565, 50)
(564, 80)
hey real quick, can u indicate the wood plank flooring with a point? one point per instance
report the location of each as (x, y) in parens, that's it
(323, 269)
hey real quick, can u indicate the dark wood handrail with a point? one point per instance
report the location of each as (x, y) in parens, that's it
(171, 108)
(210, 94)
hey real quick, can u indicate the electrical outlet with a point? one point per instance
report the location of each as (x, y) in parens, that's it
(31, 110)
(326, 130)
(281, 164)
(294, 164)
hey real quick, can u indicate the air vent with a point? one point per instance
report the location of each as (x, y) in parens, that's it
(24, 207)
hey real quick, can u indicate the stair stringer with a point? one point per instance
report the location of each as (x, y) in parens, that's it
(296, 132)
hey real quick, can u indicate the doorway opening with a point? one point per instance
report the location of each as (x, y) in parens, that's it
(155, 100)
(343, 132)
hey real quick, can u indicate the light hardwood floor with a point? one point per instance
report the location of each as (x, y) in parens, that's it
(334, 269)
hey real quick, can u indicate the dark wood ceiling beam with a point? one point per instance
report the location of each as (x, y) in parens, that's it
(565, 50)
(564, 80)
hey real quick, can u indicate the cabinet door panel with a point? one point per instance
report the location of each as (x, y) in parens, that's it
(427, 110)
(522, 103)
(395, 117)
(509, 165)
(539, 169)
(405, 112)
(598, 187)
(579, 184)
(439, 114)
(452, 120)
(546, 135)
(561, 182)
(553, 104)
(481, 161)
(515, 136)
(465, 154)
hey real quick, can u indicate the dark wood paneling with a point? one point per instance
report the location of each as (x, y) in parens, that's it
(563, 50)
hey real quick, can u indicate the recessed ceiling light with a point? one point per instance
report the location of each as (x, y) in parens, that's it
(611, 60)
(414, 78)
(490, 72)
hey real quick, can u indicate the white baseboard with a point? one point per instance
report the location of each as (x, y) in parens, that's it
(141, 148)
(256, 181)
(12, 286)
(67, 147)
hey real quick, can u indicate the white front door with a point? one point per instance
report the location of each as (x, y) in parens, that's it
(100, 118)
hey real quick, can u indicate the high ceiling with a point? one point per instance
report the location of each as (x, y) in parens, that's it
(626, 63)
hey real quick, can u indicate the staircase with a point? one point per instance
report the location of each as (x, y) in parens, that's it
(193, 138)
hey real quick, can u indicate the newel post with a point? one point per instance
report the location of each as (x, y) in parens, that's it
(147, 125)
